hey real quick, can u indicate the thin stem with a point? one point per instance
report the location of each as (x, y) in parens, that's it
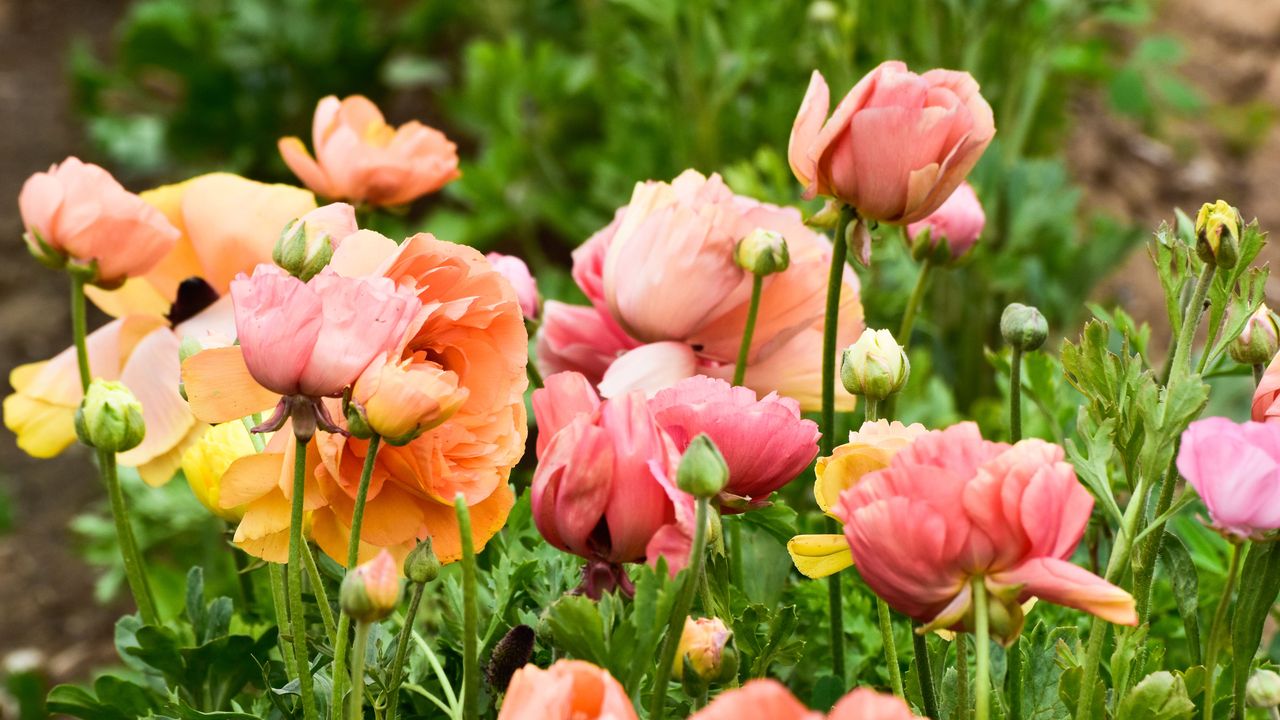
(925, 672)
(962, 676)
(684, 602)
(317, 589)
(1215, 630)
(297, 612)
(343, 636)
(982, 649)
(890, 647)
(1191, 323)
(835, 283)
(470, 615)
(133, 568)
(402, 646)
(913, 303)
(1015, 394)
(79, 331)
(740, 369)
(871, 409)
(355, 711)
(281, 602)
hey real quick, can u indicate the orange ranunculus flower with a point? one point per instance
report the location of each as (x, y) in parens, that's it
(228, 225)
(400, 399)
(471, 326)
(771, 700)
(360, 158)
(568, 690)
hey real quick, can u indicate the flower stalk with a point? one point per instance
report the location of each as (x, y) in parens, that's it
(684, 603)
(753, 309)
(1219, 626)
(361, 648)
(982, 650)
(470, 615)
(297, 612)
(343, 636)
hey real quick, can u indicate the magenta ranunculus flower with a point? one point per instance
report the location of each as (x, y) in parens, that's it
(765, 442)
(896, 146)
(517, 273)
(951, 507)
(1235, 467)
(959, 221)
(315, 338)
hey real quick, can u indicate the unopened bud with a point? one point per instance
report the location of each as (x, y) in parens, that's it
(875, 366)
(705, 654)
(371, 591)
(702, 471)
(511, 653)
(307, 244)
(1218, 234)
(422, 565)
(110, 417)
(1258, 341)
(1023, 327)
(762, 252)
(1263, 689)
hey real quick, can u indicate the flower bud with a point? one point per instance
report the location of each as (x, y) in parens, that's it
(110, 417)
(1258, 341)
(401, 399)
(422, 565)
(517, 273)
(762, 252)
(306, 245)
(511, 653)
(1023, 327)
(1263, 689)
(704, 654)
(702, 471)
(875, 366)
(43, 252)
(371, 591)
(1218, 234)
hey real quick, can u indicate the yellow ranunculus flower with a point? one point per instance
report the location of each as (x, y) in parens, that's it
(205, 462)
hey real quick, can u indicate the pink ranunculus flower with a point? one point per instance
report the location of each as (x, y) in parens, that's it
(1235, 468)
(360, 158)
(78, 210)
(517, 273)
(952, 507)
(672, 303)
(896, 146)
(1266, 399)
(959, 221)
(604, 488)
(315, 338)
(765, 442)
(771, 700)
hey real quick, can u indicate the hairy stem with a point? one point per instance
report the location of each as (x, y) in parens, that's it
(982, 650)
(343, 636)
(356, 710)
(1216, 629)
(297, 612)
(402, 646)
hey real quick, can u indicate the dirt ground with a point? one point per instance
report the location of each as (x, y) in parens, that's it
(1233, 61)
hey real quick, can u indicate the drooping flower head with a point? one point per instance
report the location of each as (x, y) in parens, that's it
(1235, 468)
(568, 690)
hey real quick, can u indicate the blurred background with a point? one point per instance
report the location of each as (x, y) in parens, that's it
(1109, 113)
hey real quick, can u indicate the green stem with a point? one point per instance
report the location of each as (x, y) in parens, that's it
(925, 673)
(913, 303)
(982, 650)
(281, 602)
(402, 646)
(1015, 395)
(79, 331)
(297, 612)
(1013, 672)
(1215, 630)
(835, 283)
(470, 615)
(962, 676)
(133, 568)
(684, 602)
(740, 369)
(317, 589)
(535, 377)
(343, 636)
(890, 647)
(356, 710)
(1191, 323)
(871, 409)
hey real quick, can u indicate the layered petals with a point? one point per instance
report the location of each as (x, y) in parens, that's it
(568, 690)
(1235, 468)
(958, 221)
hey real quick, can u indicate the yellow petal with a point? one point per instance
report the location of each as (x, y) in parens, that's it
(818, 556)
(205, 463)
(136, 297)
(160, 469)
(44, 429)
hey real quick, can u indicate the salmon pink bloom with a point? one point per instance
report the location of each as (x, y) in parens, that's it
(1266, 398)
(952, 507)
(604, 488)
(78, 210)
(897, 145)
(771, 700)
(362, 159)
(401, 399)
(1235, 468)
(517, 273)
(959, 221)
(568, 690)
(765, 442)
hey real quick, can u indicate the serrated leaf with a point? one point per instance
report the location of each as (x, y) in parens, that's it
(577, 629)
(1160, 696)
(1091, 461)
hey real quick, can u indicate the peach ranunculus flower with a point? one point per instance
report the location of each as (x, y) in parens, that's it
(362, 159)
(770, 700)
(228, 224)
(958, 221)
(399, 399)
(77, 211)
(668, 301)
(952, 507)
(870, 448)
(471, 326)
(897, 145)
(568, 690)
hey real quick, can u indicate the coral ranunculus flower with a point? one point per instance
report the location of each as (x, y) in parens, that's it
(362, 159)
(771, 700)
(1235, 468)
(952, 507)
(78, 210)
(672, 303)
(1266, 399)
(959, 221)
(897, 145)
(228, 224)
(568, 690)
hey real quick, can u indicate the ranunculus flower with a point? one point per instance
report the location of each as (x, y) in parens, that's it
(78, 210)
(1258, 340)
(401, 399)
(897, 145)
(371, 591)
(204, 463)
(771, 700)
(952, 507)
(672, 303)
(604, 488)
(1235, 468)
(870, 448)
(568, 690)
(362, 159)
(765, 442)
(959, 221)
(517, 273)
(1266, 398)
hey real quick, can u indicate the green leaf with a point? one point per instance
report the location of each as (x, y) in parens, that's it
(1041, 671)
(1258, 593)
(112, 698)
(1160, 696)
(777, 519)
(1185, 580)
(1091, 461)
(1069, 692)
(195, 599)
(577, 629)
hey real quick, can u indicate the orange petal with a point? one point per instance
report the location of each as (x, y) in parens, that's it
(487, 518)
(273, 547)
(220, 388)
(249, 478)
(264, 516)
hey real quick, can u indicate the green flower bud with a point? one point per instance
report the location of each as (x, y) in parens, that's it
(1218, 234)
(1258, 341)
(110, 417)
(1263, 689)
(371, 591)
(422, 565)
(875, 366)
(763, 252)
(1023, 327)
(306, 245)
(702, 471)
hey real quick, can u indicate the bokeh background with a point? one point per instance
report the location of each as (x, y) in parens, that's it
(1110, 113)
